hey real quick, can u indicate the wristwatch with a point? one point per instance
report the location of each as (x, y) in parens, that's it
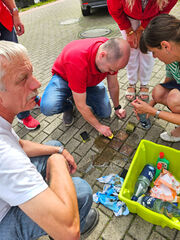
(14, 10)
(61, 148)
(118, 107)
(157, 114)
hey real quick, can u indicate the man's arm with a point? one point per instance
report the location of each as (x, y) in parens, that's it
(10, 4)
(113, 87)
(33, 149)
(56, 209)
(80, 101)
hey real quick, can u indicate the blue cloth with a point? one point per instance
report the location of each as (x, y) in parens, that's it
(7, 35)
(55, 98)
(171, 85)
(17, 225)
(109, 196)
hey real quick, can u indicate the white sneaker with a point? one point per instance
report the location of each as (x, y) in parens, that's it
(169, 138)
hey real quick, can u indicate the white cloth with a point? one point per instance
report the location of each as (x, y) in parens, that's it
(140, 65)
(19, 179)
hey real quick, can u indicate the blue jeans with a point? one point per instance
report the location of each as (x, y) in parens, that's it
(17, 225)
(25, 114)
(56, 100)
(7, 35)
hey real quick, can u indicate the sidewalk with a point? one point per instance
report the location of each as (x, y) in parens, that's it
(44, 38)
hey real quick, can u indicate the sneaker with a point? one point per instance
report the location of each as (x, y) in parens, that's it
(68, 117)
(168, 137)
(91, 221)
(30, 122)
(37, 104)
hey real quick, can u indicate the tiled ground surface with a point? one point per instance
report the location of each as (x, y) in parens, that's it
(44, 38)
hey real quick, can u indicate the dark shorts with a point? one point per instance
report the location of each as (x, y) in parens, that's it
(171, 85)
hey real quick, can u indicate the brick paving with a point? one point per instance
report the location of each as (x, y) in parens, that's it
(44, 37)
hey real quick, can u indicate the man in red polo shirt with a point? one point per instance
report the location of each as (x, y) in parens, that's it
(79, 71)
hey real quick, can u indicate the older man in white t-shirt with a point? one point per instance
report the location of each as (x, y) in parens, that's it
(37, 194)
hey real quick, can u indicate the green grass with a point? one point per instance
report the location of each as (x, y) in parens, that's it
(36, 5)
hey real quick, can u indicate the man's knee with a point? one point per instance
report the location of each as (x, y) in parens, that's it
(48, 109)
(105, 113)
(158, 93)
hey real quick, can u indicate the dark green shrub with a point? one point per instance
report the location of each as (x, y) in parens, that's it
(24, 3)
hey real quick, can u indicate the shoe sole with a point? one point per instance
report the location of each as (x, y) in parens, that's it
(69, 124)
(85, 235)
(20, 121)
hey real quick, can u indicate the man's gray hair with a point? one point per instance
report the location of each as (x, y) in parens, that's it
(113, 49)
(8, 52)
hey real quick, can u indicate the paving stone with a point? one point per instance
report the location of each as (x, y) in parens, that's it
(55, 135)
(120, 160)
(121, 135)
(100, 143)
(106, 211)
(117, 227)
(153, 133)
(156, 236)
(115, 144)
(105, 157)
(103, 220)
(135, 137)
(112, 168)
(166, 232)
(72, 145)
(40, 138)
(52, 126)
(127, 237)
(126, 150)
(70, 132)
(140, 229)
(177, 236)
(83, 148)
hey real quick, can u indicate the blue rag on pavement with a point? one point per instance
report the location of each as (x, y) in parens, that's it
(109, 196)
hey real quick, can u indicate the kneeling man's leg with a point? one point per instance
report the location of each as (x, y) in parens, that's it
(97, 98)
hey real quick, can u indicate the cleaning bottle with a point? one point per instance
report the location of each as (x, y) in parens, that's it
(144, 181)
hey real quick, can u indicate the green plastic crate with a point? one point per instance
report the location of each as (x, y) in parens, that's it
(148, 152)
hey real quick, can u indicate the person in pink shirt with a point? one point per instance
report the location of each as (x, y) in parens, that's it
(79, 71)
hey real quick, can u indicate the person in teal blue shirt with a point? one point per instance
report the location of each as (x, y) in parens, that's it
(162, 38)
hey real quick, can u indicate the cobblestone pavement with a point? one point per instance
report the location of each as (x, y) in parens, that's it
(44, 38)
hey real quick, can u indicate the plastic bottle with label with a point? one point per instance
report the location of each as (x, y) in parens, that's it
(144, 181)
(161, 163)
(145, 122)
(160, 206)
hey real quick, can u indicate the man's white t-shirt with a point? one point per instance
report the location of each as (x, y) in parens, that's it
(19, 179)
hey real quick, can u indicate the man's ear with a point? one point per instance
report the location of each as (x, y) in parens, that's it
(103, 54)
(166, 45)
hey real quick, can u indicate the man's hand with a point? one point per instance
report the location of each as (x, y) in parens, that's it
(121, 113)
(104, 130)
(18, 24)
(69, 158)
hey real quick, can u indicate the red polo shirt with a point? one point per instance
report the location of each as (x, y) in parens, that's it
(120, 11)
(5, 17)
(76, 64)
